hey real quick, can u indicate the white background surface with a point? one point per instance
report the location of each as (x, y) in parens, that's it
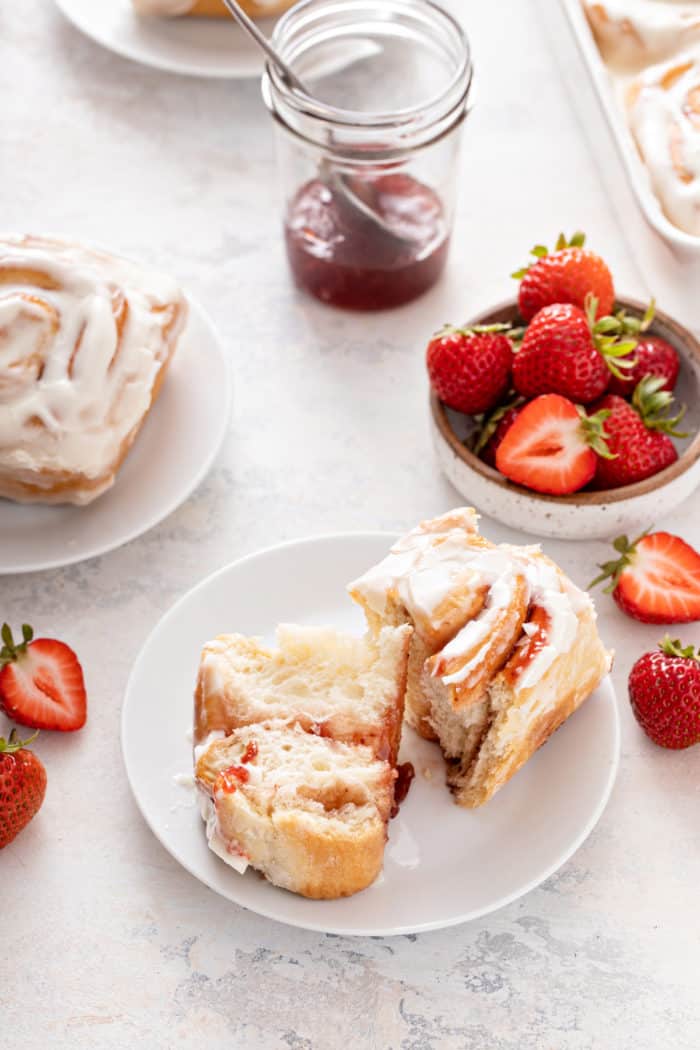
(107, 943)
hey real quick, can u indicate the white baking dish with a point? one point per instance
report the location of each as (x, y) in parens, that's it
(687, 246)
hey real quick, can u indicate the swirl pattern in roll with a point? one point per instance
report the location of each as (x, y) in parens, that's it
(85, 341)
(504, 648)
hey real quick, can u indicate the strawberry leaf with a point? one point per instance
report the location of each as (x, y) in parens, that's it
(11, 652)
(488, 423)
(674, 647)
(653, 404)
(594, 431)
(612, 570)
(8, 747)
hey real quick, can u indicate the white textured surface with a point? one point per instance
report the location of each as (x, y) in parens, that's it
(107, 943)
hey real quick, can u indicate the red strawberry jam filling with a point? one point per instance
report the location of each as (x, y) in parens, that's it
(346, 258)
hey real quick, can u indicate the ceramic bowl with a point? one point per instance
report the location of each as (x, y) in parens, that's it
(584, 515)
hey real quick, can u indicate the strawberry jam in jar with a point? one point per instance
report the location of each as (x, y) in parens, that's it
(368, 151)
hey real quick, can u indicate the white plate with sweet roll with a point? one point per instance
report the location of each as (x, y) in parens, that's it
(115, 397)
(272, 717)
(193, 37)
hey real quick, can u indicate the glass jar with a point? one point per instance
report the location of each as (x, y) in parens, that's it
(369, 159)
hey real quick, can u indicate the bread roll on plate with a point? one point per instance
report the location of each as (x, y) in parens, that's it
(295, 754)
(85, 342)
(504, 649)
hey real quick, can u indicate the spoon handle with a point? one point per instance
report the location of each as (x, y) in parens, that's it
(261, 40)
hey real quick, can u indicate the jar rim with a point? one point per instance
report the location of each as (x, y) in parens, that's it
(422, 115)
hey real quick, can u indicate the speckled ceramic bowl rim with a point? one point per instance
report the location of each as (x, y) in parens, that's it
(683, 340)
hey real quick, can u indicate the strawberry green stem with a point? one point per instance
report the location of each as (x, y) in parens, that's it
(674, 647)
(612, 570)
(11, 651)
(653, 405)
(540, 251)
(8, 747)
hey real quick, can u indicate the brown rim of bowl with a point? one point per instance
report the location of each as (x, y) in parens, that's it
(683, 340)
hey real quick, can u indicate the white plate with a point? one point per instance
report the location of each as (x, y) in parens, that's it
(202, 47)
(171, 455)
(443, 865)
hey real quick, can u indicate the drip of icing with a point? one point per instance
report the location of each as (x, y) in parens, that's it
(547, 589)
(478, 631)
(423, 567)
(215, 840)
(73, 386)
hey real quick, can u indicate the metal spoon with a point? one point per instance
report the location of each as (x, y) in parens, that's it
(340, 184)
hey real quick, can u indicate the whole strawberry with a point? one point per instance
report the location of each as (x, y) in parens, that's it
(569, 274)
(653, 357)
(664, 688)
(22, 786)
(41, 682)
(655, 579)
(566, 351)
(469, 368)
(639, 435)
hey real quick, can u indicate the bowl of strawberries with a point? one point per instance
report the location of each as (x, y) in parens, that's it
(568, 412)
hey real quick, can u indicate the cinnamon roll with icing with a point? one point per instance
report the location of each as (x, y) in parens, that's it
(632, 34)
(663, 107)
(209, 8)
(85, 341)
(504, 649)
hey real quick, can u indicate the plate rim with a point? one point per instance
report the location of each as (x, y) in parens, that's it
(204, 317)
(321, 927)
(163, 65)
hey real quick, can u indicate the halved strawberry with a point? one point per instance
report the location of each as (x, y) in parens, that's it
(656, 578)
(41, 682)
(551, 446)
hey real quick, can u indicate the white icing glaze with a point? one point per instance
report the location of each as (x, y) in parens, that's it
(215, 840)
(70, 390)
(478, 631)
(423, 567)
(547, 589)
(665, 119)
(424, 572)
(663, 111)
(199, 749)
